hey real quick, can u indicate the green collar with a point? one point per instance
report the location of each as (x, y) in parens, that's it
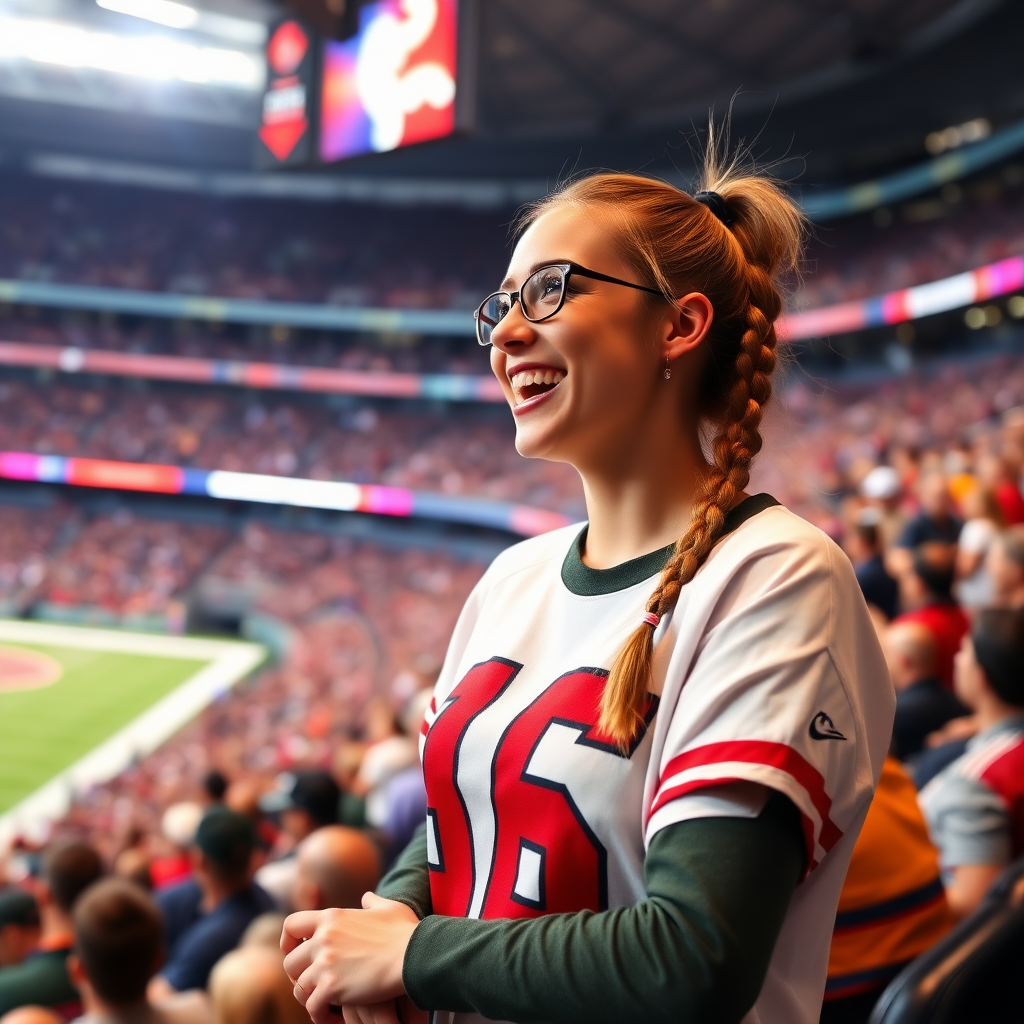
(584, 581)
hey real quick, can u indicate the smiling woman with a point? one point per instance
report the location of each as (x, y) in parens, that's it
(633, 811)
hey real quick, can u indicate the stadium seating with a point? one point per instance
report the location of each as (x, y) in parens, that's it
(971, 975)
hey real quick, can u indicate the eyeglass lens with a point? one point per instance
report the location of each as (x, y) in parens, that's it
(540, 296)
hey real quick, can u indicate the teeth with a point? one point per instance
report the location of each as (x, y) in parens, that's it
(525, 378)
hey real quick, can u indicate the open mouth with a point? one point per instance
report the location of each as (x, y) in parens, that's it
(530, 383)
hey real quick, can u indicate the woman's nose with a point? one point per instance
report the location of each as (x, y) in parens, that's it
(513, 332)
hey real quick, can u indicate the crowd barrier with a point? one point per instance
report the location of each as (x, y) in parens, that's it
(341, 496)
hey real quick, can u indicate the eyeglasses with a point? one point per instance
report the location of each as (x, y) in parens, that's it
(540, 297)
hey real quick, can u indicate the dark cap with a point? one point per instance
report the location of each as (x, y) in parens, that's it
(228, 839)
(314, 791)
(18, 907)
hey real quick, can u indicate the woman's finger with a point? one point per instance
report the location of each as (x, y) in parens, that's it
(318, 1006)
(297, 928)
(298, 961)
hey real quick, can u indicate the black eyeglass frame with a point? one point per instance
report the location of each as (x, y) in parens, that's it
(568, 269)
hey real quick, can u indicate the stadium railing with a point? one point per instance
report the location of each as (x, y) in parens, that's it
(973, 974)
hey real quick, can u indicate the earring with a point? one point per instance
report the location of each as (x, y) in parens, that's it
(667, 372)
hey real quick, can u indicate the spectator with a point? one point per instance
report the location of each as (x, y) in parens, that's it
(19, 925)
(178, 829)
(926, 589)
(117, 952)
(336, 866)
(935, 521)
(249, 986)
(41, 979)
(865, 549)
(31, 1015)
(1005, 564)
(206, 916)
(892, 906)
(995, 475)
(974, 587)
(215, 785)
(975, 807)
(306, 801)
(922, 704)
(881, 489)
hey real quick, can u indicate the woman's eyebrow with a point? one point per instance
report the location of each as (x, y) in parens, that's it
(508, 282)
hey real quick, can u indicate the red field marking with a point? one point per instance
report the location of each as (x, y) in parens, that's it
(22, 669)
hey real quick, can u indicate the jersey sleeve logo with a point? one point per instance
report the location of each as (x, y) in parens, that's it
(823, 728)
(545, 856)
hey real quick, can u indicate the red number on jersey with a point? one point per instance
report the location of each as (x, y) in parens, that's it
(452, 876)
(546, 857)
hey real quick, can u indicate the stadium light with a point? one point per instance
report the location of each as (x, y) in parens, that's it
(163, 12)
(153, 57)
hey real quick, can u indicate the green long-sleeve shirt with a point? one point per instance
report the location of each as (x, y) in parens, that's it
(697, 948)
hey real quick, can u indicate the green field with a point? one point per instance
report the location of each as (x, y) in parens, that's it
(44, 731)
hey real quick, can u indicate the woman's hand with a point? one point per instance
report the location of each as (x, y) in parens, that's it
(395, 1011)
(348, 958)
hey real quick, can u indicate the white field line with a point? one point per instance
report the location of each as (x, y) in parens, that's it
(229, 662)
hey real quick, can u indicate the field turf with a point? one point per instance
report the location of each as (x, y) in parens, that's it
(45, 730)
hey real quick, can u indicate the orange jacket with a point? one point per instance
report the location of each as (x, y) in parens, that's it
(893, 905)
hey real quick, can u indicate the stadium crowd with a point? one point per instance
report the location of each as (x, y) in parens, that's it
(420, 257)
(298, 788)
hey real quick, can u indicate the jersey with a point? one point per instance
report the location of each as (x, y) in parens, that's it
(768, 675)
(975, 807)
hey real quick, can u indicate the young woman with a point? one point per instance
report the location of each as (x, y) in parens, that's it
(654, 738)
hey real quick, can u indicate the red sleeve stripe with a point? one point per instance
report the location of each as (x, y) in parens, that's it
(760, 752)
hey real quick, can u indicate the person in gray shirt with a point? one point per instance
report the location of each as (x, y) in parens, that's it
(975, 806)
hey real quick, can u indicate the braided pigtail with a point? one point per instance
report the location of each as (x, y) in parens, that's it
(761, 242)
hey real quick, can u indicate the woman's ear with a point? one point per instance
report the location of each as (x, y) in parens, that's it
(686, 325)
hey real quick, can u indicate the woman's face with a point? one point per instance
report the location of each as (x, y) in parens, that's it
(580, 384)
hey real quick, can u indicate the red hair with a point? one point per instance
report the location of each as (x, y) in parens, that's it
(678, 245)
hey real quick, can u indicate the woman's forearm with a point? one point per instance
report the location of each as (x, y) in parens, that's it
(697, 948)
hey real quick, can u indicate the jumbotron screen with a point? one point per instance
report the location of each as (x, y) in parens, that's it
(393, 83)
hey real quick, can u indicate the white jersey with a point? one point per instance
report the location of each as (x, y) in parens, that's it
(768, 672)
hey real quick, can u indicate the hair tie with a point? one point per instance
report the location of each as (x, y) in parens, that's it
(652, 619)
(717, 205)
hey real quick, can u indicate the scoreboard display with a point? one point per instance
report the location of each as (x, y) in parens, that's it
(393, 83)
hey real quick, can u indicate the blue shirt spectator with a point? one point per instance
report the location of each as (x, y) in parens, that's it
(204, 917)
(195, 939)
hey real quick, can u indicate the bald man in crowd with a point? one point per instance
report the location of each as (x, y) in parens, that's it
(922, 703)
(336, 865)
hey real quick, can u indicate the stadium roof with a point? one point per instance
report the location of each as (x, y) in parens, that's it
(593, 64)
(583, 83)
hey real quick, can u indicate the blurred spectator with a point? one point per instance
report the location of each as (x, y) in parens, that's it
(206, 916)
(306, 801)
(974, 588)
(31, 1015)
(975, 807)
(19, 925)
(215, 785)
(864, 546)
(935, 522)
(41, 979)
(923, 705)
(994, 473)
(117, 952)
(249, 986)
(881, 489)
(926, 590)
(1005, 565)
(336, 865)
(178, 828)
(892, 906)
(265, 930)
